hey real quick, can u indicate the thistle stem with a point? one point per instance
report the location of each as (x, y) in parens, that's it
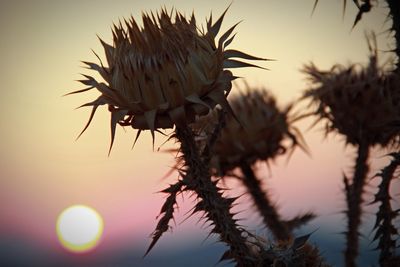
(394, 12)
(264, 205)
(385, 216)
(215, 206)
(354, 202)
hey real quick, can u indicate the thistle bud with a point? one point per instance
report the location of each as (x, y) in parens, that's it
(164, 73)
(361, 103)
(258, 130)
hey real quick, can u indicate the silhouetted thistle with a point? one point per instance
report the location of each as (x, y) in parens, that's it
(259, 131)
(162, 75)
(386, 232)
(359, 103)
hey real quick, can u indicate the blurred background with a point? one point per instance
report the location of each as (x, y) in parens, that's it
(43, 170)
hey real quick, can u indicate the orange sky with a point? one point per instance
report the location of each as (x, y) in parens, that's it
(42, 168)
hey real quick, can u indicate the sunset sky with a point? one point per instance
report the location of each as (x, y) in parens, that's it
(43, 170)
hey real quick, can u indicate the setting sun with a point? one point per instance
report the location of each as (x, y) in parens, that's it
(79, 228)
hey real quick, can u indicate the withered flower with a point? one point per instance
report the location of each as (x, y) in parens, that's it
(262, 131)
(358, 102)
(165, 72)
(259, 131)
(362, 104)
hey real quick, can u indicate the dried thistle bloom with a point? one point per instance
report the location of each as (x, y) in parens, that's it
(358, 102)
(165, 72)
(260, 131)
(363, 104)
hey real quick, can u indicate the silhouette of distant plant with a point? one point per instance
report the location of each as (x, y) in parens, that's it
(384, 217)
(357, 102)
(259, 132)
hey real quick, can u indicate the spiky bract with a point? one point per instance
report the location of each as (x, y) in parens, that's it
(361, 103)
(164, 73)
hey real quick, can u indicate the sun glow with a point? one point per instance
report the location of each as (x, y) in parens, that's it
(79, 228)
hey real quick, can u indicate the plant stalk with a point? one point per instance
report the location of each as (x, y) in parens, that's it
(354, 202)
(264, 205)
(212, 202)
(385, 216)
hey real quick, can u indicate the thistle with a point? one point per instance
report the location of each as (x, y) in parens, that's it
(359, 103)
(258, 132)
(162, 75)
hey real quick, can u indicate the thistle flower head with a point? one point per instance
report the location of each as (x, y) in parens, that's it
(260, 131)
(164, 73)
(361, 103)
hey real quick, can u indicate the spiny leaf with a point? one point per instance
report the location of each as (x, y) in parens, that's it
(80, 91)
(109, 50)
(101, 62)
(99, 101)
(136, 138)
(231, 63)
(89, 121)
(116, 116)
(90, 81)
(214, 29)
(229, 41)
(150, 117)
(99, 69)
(314, 7)
(226, 36)
(300, 241)
(238, 54)
(168, 213)
(364, 8)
